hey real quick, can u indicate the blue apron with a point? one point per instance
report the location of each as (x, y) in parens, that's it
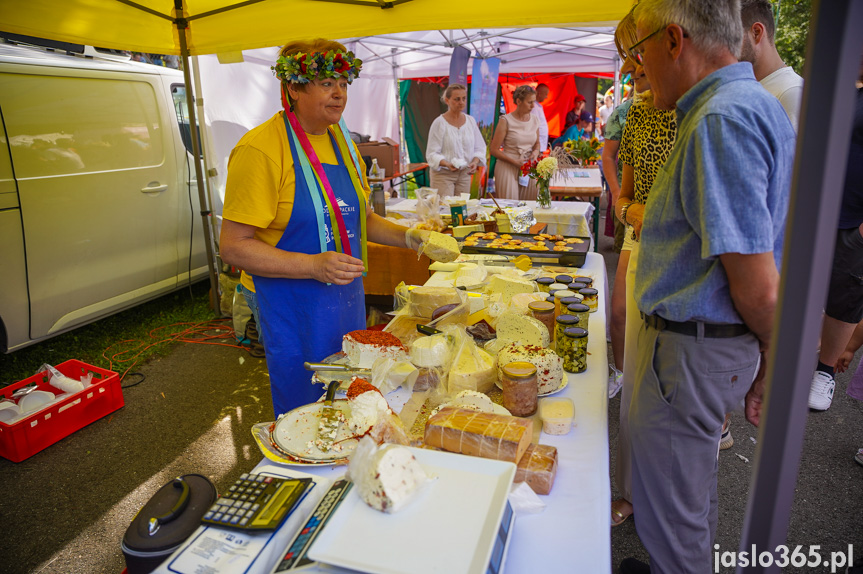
(304, 319)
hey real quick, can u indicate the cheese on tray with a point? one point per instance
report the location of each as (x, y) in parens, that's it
(508, 286)
(390, 479)
(363, 347)
(549, 365)
(521, 329)
(538, 468)
(473, 369)
(431, 351)
(424, 300)
(474, 433)
(441, 247)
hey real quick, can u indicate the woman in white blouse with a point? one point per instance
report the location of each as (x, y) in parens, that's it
(455, 145)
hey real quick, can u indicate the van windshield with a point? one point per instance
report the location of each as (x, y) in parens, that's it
(178, 93)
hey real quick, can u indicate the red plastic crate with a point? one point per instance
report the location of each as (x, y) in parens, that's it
(41, 429)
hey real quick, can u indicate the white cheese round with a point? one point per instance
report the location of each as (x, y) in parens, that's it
(428, 352)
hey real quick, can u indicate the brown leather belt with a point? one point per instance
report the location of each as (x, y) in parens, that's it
(711, 330)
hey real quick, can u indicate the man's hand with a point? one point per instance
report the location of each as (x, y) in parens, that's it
(844, 361)
(755, 396)
(635, 218)
(415, 238)
(334, 267)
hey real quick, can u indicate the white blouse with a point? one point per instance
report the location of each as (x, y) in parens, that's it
(456, 145)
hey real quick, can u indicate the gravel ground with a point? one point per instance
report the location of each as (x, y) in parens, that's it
(65, 509)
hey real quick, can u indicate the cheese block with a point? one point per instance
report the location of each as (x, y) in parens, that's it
(521, 329)
(474, 433)
(508, 286)
(363, 347)
(537, 468)
(520, 301)
(549, 365)
(556, 415)
(390, 479)
(470, 274)
(432, 351)
(473, 369)
(424, 300)
(440, 247)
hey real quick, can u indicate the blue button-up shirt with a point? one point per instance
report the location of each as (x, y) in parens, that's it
(724, 189)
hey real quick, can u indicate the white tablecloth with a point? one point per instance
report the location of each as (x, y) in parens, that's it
(572, 534)
(564, 217)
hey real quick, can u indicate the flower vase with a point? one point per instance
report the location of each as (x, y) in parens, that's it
(543, 195)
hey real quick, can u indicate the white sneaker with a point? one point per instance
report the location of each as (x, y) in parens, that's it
(821, 392)
(615, 382)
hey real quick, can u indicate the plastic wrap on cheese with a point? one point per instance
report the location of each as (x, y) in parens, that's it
(486, 435)
(387, 477)
(472, 368)
(440, 247)
(424, 300)
(538, 468)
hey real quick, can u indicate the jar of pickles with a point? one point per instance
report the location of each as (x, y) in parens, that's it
(543, 311)
(581, 311)
(572, 348)
(520, 388)
(590, 298)
(558, 295)
(544, 283)
(564, 279)
(567, 301)
(582, 279)
(577, 286)
(562, 322)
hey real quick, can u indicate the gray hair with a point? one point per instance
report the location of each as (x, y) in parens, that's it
(710, 24)
(522, 92)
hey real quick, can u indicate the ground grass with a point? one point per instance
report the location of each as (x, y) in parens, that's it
(127, 331)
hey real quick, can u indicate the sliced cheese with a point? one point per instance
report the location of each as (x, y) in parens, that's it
(473, 369)
(508, 286)
(470, 275)
(440, 247)
(521, 329)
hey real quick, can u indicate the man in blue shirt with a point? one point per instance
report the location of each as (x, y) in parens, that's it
(708, 278)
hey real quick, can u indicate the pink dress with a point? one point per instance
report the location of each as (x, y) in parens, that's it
(521, 137)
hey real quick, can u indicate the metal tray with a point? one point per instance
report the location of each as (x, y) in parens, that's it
(573, 258)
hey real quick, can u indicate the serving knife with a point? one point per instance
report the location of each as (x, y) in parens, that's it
(334, 367)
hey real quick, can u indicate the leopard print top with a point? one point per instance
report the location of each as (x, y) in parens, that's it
(648, 137)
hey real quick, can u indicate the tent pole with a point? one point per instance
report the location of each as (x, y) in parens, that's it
(616, 61)
(204, 132)
(832, 64)
(402, 139)
(206, 213)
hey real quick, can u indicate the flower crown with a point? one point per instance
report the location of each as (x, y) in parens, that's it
(302, 68)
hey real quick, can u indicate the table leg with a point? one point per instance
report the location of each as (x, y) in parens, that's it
(595, 202)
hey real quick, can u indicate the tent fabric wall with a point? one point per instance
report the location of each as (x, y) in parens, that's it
(561, 93)
(422, 105)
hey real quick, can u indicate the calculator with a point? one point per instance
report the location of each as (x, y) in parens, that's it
(257, 502)
(295, 556)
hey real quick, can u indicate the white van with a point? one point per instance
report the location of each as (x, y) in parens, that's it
(99, 208)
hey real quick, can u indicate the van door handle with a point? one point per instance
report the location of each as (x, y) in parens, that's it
(154, 187)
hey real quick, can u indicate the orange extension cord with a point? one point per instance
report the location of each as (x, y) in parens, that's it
(205, 333)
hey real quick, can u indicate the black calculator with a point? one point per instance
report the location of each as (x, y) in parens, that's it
(257, 502)
(295, 556)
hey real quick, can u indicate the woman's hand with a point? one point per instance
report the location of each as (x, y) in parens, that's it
(635, 218)
(534, 154)
(844, 361)
(471, 168)
(448, 165)
(334, 267)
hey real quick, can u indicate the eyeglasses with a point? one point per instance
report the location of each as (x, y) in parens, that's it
(636, 51)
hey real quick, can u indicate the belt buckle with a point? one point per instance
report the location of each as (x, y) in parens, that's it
(660, 323)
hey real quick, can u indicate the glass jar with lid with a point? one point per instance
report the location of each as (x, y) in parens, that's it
(544, 283)
(583, 279)
(572, 348)
(564, 279)
(544, 312)
(558, 295)
(577, 286)
(562, 322)
(591, 298)
(581, 311)
(520, 388)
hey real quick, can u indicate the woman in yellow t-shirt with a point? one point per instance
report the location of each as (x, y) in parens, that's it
(296, 219)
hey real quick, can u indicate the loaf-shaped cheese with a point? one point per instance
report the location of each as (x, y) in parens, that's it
(538, 468)
(479, 434)
(424, 300)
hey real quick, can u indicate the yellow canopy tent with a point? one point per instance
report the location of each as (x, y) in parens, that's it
(229, 26)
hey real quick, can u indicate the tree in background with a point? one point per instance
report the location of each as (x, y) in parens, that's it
(792, 31)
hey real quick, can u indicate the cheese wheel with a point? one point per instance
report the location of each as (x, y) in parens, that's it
(508, 286)
(432, 351)
(424, 300)
(549, 365)
(521, 329)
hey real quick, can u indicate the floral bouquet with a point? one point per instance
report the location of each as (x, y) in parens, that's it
(585, 151)
(541, 171)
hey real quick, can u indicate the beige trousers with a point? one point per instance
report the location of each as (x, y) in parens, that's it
(448, 182)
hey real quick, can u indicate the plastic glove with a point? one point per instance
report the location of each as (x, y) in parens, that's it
(415, 238)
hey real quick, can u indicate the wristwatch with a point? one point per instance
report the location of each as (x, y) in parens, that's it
(623, 211)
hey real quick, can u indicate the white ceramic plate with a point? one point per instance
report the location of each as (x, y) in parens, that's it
(296, 431)
(562, 386)
(450, 527)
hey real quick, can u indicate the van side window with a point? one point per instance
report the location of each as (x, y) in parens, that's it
(62, 125)
(178, 92)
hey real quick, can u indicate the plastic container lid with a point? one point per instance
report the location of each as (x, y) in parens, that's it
(541, 306)
(567, 320)
(578, 308)
(519, 370)
(589, 292)
(574, 332)
(565, 279)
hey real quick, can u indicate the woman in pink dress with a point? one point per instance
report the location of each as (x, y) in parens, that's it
(516, 141)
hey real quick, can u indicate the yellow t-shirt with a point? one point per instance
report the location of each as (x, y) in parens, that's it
(260, 187)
